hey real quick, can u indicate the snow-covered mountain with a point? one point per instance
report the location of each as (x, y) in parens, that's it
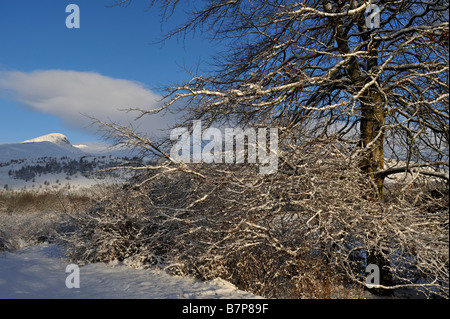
(51, 145)
(56, 138)
(52, 161)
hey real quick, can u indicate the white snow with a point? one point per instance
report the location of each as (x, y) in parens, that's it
(80, 146)
(39, 272)
(102, 148)
(56, 138)
(14, 151)
(51, 145)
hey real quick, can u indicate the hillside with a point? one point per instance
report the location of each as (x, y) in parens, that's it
(51, 161)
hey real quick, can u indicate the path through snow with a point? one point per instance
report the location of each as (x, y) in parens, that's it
(40, 272)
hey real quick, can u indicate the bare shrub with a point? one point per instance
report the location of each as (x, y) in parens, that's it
(113, 229)
(28, 218)
(306, 231)
(25, 229)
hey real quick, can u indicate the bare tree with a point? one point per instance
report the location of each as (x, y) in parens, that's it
(320, 64)
(359, 93)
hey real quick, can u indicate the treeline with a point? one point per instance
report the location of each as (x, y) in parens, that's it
(69, 166)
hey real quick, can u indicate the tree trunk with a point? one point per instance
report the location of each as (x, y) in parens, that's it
(371, 131)
(372, 137)
(372, 115)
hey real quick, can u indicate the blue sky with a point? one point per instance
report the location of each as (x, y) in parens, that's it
(49, 74)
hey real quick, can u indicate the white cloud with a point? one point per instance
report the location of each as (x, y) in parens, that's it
(69, 94)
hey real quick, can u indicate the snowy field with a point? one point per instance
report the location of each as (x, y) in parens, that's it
(39, 272)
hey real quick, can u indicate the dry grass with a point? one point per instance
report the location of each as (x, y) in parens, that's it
(13, 202)
(28, 218)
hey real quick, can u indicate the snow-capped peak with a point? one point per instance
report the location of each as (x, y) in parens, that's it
(55, 138)
(47, 143)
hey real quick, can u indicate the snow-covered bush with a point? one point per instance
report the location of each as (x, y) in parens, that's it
(116, 228)
(30, 228)
(28, 218)
(302, 232)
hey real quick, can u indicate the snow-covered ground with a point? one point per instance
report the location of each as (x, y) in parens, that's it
(39, 272)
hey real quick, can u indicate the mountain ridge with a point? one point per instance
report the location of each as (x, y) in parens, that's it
(55, 138)
(52, 145)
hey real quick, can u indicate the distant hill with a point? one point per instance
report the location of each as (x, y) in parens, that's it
(52, 145)
(51, 161)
